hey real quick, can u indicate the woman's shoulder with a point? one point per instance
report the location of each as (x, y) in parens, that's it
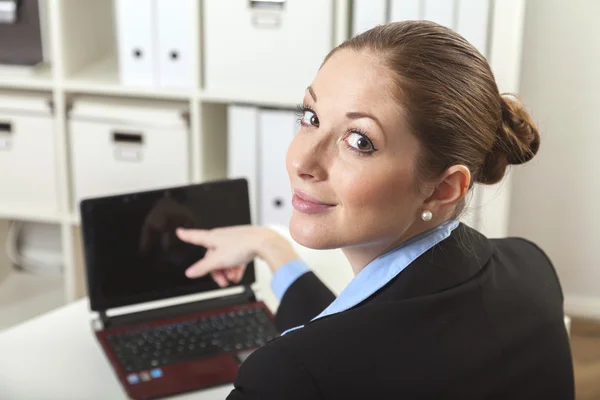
(522, 245)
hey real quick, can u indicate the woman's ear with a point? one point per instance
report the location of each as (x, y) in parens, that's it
(450, 190)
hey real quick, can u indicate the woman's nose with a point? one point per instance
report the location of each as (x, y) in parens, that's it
(305, 159)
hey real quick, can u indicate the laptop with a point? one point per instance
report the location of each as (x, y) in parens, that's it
(133, 256)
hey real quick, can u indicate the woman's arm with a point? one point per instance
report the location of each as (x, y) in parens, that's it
(302, 301)
(303, 296)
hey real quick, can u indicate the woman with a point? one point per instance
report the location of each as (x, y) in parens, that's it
(397, 126)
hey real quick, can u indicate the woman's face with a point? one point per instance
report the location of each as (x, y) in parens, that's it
(352, 162)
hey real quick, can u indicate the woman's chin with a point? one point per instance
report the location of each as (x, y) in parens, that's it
(309, 232)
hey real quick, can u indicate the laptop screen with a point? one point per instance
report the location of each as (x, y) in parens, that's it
(132, 253)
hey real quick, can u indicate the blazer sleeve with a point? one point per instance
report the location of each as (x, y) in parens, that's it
(272, 374)
(302, 301)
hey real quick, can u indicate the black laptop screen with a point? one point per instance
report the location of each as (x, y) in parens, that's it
(132, 253)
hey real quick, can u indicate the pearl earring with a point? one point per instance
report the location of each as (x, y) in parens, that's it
(426, 215)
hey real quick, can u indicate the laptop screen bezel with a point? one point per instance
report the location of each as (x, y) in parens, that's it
(98, 300)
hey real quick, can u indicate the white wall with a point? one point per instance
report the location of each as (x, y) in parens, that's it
(556, 198)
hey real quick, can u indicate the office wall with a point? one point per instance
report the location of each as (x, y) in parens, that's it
(556, 199)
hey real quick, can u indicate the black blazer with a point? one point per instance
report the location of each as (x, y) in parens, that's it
(472, 318)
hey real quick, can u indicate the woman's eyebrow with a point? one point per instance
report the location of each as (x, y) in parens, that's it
(312, 93)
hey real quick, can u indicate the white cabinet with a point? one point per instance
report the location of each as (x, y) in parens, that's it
(265, 46)
(258, 140)
(27, 154)
(127, 147)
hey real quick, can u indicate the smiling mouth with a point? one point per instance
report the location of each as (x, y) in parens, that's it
(307, 204)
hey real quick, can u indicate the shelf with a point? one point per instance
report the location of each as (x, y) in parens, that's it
(15, 77)
(30, 215)
(267, 99)
(102, 78)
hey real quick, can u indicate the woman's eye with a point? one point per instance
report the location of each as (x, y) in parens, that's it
(360, 142)
(310, 118)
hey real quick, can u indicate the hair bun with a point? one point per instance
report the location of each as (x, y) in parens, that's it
(518, 132)
(517, 141)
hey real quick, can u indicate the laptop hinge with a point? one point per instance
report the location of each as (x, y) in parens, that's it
(249, 293)
(103, 318)
(140, 317)
(101, 322)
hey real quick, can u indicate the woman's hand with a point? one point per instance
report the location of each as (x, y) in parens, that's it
(230, 249)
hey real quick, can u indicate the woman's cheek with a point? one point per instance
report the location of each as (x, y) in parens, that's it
(371, 187)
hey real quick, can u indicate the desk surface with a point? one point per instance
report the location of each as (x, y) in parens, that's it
(56, 356)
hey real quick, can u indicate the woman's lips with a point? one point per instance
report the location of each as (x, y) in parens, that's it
(307, 204)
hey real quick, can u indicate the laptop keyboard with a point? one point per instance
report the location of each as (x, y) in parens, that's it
(193, 339)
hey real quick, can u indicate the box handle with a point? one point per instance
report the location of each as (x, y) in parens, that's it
(264, 17)
(5, 127)
(128, 146)
(267, 3)
(128, 137)
(5, 131)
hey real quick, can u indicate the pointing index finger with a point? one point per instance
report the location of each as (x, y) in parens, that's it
(199, 237)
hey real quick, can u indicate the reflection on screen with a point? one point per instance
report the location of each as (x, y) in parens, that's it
(133, 253)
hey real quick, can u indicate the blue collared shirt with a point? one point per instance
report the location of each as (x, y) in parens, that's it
(372, 277)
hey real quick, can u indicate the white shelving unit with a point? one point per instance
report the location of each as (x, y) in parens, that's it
(84, 63)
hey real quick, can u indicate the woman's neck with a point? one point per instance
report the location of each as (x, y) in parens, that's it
(359, 256)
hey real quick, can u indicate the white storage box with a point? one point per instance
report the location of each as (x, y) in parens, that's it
(28, 178)
(127, 146)
(272, 47)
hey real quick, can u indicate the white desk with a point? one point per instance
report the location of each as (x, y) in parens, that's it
(56, 356)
